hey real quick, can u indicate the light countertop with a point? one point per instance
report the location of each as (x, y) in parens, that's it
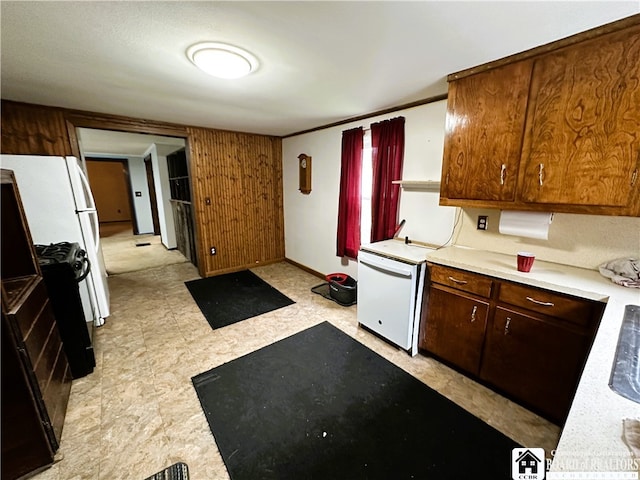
(591, 439)
(396, 249)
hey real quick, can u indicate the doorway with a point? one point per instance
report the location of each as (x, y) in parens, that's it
(130, 172)
(111, 187)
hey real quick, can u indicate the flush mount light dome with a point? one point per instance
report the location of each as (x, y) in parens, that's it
(222, 60)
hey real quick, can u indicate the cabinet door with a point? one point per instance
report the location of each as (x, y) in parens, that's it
(581, 145)
(454, 328)
(534, 360)
(483, 137)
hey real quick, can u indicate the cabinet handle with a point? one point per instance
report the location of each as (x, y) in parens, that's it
(473, 313)
(506, 326)
(461, 282)
(634, 177)
(540, 175)
(538, 302)
(503, 172)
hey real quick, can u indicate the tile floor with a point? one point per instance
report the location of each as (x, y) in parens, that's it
(138, 413)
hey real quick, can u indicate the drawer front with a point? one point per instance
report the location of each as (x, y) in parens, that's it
(569, 308)
(28, 312)
(461, 280)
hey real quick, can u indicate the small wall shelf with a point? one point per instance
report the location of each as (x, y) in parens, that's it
(424, 185)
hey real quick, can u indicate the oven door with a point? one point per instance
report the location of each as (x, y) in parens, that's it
(387, 294)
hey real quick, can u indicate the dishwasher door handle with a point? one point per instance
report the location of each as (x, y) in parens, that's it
(385, 266)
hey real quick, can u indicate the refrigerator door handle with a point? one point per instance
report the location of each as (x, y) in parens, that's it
(86, 187)
(96, 228)
(91, 207)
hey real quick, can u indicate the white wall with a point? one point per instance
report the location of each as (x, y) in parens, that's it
(311, 220)
(581, 240)
(158, 154)
(142, 205)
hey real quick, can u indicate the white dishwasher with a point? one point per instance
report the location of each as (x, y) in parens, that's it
(390, 285)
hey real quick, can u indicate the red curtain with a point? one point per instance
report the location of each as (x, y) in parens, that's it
(348, 238)
(387, 142)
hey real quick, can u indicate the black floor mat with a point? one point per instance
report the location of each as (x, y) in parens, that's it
(320, 405)
(177, 471)
(232, 297)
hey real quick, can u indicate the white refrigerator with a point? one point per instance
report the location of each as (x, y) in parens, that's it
(59, 207)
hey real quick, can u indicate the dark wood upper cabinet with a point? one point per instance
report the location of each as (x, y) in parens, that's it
(582, 145)
(552, 129)
(484, 128)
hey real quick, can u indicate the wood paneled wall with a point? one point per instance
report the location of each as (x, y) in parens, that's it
(33, 129)
(240, 174)
(237, 183)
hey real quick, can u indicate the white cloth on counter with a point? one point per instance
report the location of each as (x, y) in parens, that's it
(623, 271)
(631, 435)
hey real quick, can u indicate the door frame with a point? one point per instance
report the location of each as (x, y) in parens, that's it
(79, 119)
(153, 201)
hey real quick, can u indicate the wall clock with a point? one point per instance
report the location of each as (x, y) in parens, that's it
(305, 173)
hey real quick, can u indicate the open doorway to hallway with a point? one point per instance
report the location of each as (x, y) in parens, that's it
(128, 174)
(125, 252)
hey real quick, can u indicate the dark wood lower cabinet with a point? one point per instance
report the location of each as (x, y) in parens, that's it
(528, 343)
(455, 328)
(535, 360)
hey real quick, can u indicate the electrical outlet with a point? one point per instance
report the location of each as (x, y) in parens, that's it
(483, 222)
(213, 250)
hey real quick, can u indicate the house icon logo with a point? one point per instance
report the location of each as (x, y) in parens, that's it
(527, 464)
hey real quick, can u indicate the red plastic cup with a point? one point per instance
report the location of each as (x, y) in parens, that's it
(525, 261)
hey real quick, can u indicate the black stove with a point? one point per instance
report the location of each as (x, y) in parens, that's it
(64, 266)
(64, 253)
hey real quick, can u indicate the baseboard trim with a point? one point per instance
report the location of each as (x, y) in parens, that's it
(305, 268)
(239, 268)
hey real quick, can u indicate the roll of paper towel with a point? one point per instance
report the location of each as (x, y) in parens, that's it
(525, 224)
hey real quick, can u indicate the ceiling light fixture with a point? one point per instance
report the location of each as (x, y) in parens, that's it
(222, 60)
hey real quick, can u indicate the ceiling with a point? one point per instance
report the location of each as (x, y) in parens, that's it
(95, 142)
(320, 62)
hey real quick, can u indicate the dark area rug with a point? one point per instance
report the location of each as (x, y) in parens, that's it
(230, 298)
(177, 471)
(320, 405)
